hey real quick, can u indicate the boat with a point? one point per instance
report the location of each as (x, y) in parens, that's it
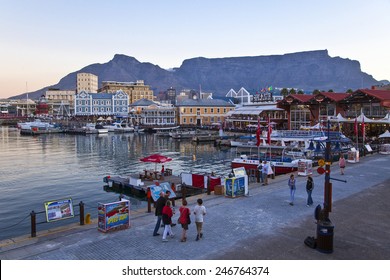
(38, 127)
(123, 127)
(165, 131)
(183, 134)
(101, 129)
(89, 128)
(283, 163)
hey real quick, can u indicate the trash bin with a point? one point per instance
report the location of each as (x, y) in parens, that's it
(325, 236)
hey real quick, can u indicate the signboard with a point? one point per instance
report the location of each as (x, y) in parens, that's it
(115, 215)
(236, 186)
(59, 209)
(239, 171)
(162, 187)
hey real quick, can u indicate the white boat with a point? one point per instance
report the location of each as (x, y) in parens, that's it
(89, 128)
(123, 127)
(182, 134)
(101, 130)
(38, 127)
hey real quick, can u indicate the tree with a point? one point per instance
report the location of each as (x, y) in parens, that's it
(284, 92)
(300, 92)
(292, 91)
(330, 90)
(316, 91)
(349, 91)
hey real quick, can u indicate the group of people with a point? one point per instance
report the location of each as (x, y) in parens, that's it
(263, 171)
(165, 212)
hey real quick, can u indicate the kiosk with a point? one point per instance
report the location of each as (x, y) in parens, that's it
(113, 216)
(353, 156)
(305, 167)
(238, 184)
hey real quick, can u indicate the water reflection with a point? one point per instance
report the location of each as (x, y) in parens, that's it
(49, 167)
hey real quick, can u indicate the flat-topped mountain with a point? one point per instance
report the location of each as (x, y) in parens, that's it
(303, 70)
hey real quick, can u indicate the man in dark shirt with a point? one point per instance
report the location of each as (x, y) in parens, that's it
(160, 203)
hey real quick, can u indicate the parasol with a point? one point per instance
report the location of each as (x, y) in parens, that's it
(156, 158)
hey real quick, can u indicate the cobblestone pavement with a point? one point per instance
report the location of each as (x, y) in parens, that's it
(260, 226)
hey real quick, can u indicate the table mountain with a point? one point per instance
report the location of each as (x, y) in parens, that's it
(304, 70)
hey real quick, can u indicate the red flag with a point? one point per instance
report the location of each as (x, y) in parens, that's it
(363, 129)
(258, 133)
(269, 132)
(356, 128)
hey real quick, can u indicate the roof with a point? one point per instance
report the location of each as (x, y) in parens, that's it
(253, 110)
(336, 96)
(380, 94)
(204, 103)
(143, 102)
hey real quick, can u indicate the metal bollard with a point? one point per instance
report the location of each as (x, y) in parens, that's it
(81, 205)
(33, 224)
(149, 197)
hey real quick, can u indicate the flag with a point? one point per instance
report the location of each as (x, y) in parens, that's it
(269, 132)
(258, 132)
(356, 128)
(363, 129)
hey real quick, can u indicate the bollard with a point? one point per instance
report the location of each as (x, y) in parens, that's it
(183, 191)
(81, 205)
(33, 224)
(149, 197)
(273, 172)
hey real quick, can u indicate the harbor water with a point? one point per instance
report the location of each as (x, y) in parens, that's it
(37, 169)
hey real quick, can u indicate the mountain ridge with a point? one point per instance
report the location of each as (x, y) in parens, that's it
(306, 70)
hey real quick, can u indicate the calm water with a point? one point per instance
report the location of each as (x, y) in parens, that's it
(50, 167)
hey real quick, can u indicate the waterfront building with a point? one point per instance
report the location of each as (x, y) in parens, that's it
(150, 113)
(61, 102)
(101, 104)
(200, 112)
(309, 110)
(87, 82)
(135, 90)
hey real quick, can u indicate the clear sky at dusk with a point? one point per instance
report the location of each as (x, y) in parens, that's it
(44, 40)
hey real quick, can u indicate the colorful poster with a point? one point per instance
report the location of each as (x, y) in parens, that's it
(236, 186)
(115, 215)
(162, 187)
(59, 209)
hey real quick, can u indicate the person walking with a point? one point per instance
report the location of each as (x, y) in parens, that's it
(167, 214)
(342, 164)
(199, 212)
(184, 219)
(265, 173)
(260, 169)
(291, 184)
(160, 203)
(309, 190)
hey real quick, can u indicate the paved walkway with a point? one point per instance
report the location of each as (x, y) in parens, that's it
(260, 226)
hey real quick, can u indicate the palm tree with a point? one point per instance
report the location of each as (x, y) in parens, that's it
(316, 91)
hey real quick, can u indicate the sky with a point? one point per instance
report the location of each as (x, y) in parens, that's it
(44, 40)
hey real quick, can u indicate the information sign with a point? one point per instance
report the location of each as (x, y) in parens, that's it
(59, 209)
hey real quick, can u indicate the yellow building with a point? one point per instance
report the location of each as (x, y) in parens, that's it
(87, 82)
(135, 90)
(199, 112)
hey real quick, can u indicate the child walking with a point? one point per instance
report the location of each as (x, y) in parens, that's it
(199, 212)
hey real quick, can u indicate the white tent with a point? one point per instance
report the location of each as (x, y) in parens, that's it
(386, 134)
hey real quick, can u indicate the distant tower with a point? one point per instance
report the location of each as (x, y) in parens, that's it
(171, 95)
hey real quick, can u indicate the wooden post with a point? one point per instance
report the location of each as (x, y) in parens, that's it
(33, 224)
(81, 205)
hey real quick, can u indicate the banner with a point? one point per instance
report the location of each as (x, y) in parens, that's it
(59, 209)
(115, 215)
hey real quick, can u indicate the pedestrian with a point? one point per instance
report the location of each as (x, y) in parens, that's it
(291, 184)
(309, 190)
(342, 164)
(265, 173)
(184, 219)
(167, 214)
(260, 169)
(160, 203)
(199, 212)
(162, 170)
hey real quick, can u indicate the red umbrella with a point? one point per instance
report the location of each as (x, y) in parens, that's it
(156, 158)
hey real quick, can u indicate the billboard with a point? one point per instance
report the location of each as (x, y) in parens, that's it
(115, 215)
(59, 209)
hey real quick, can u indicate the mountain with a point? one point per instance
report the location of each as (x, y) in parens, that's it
(303, 70)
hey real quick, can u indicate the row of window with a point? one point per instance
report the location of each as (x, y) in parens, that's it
(102, 102)
(205, 110)
(102, 109)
